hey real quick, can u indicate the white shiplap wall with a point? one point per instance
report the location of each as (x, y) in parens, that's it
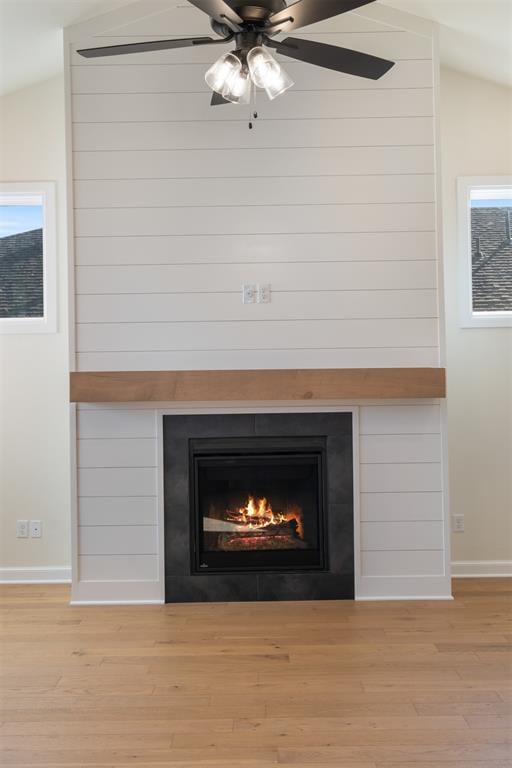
(330, 199)
(401, 507)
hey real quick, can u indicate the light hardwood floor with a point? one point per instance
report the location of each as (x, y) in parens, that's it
(312, 685)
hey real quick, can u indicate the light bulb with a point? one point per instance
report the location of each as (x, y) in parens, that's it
(237, 88)
(223, 69)
(267, 73)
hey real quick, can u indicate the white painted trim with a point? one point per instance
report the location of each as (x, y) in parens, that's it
(73, 494)
(467, 318)
(441, 293)
(403, 598)
(115, 602)
(160, 502)
(405, 588)
(46, 192)
(57, 574)
(469, 569)
(117, 593)
(70, 206)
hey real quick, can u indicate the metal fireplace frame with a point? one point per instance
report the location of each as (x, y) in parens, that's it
(336, 582)
(203, 449)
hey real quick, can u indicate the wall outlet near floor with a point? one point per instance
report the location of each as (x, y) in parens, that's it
(36, 530)
(22, 529)
(458, 523)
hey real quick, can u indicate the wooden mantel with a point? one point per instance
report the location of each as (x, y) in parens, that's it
(261, 385)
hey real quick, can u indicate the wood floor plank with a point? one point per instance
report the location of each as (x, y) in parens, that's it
(311, 685)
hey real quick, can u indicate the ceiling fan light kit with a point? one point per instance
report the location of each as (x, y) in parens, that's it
(254, 26)
(234, 74)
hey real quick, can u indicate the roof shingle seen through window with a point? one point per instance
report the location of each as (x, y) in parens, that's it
(21, 275)
(491, 253)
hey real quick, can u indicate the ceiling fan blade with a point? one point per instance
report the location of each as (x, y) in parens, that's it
(154, 45)
(220, 11)
(332, 57)
(218, 100)
(305, 12)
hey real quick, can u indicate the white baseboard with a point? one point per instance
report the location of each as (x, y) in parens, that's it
(59, 574)
(467, 569)
(117, 593)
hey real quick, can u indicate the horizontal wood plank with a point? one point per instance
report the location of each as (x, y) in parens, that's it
(117, 540)
(245, 163)
(227, 307)
(385, 507)
(306, 190)
(118, 567)
(117, 511)
(192, 135)
(188, 386)
(298, 334)
(389, 563)
(410, 536)
(175, 105)
(219, 220)
(227, 360)
(283, 277)
(149, 80)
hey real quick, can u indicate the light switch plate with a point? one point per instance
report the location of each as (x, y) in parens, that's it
(22, 529)
(264, 293)
(35, 529)
(250, 294)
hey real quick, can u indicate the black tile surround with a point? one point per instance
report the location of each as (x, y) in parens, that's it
(334, 583)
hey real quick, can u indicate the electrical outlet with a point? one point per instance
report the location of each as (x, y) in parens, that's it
(250, 294)
(22, 529)
(264, 293)
(36, 530)
(458, 523)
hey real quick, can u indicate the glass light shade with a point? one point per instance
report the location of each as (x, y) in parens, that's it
(267, 73)
(238, 87)
(223, 69)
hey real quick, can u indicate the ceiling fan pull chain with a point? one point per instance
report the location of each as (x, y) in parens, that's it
(254, 113)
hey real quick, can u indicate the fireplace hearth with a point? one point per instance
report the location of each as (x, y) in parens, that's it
(258, 507)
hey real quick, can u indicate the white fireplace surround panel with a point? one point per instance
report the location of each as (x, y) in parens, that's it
(401, 532)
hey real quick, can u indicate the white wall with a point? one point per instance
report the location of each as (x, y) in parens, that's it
(34, 450)
(330, 199)
(476, 123)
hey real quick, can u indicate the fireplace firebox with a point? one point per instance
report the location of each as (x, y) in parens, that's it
(258, 507)
(258, 504)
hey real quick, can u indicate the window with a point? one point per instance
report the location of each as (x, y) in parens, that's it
(485, 243)
(27, 258)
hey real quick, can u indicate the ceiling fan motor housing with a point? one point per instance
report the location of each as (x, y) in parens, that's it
(258, 11)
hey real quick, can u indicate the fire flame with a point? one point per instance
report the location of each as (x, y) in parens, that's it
(259, 514)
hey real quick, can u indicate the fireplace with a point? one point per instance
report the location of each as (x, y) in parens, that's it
(257, 504)
(258, 507)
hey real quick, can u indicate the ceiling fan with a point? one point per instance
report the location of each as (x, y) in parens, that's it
(253, 25)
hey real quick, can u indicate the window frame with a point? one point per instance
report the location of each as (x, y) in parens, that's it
(10, 194)
(467, 317)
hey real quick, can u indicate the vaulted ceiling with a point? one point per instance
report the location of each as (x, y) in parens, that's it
(475, 35)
